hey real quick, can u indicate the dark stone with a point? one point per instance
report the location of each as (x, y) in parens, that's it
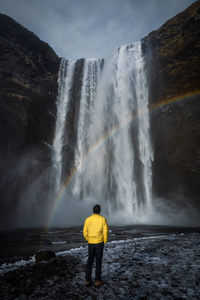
(44, 256)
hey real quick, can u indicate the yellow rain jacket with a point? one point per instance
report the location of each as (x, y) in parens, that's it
(95, 229)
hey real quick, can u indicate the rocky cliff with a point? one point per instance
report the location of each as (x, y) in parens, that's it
(173, 53)
(28, 79)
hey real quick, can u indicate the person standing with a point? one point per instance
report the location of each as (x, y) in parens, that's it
(95, 231)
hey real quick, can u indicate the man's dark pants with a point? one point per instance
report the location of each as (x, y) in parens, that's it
(94, 250)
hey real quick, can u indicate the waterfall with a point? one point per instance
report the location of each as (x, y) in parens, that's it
(65, 78)
(85, 123)
(112, 152)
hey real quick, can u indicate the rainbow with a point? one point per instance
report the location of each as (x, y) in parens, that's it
(105, 137)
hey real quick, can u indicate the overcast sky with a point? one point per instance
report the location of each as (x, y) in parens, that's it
(91, 28)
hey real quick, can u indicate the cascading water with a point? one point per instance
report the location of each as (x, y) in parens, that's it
(85, 123)
(112, 152)
(65, 78)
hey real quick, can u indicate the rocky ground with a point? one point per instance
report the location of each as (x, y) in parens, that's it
(150, 265)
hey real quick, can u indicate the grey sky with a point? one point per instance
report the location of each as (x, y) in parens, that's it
(91, 28)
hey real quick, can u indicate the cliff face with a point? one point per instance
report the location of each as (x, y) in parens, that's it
(28, 79)
(173, 53)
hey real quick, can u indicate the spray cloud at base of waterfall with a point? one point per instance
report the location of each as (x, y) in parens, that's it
(163, 212)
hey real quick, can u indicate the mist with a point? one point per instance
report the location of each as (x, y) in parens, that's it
(41, 207)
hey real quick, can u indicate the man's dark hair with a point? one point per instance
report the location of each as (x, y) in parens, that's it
(97, 209)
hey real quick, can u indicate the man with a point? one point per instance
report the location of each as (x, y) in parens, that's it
(95, 231)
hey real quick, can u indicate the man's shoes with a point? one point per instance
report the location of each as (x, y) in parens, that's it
(87, 283)
(98, 283)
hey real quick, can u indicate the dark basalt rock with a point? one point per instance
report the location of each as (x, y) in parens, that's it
(173, 54)
(44, 255)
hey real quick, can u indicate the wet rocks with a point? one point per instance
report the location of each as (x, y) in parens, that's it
(132, 269)
(44, 255)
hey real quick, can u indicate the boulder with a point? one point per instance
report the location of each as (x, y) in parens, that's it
(44, 255)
